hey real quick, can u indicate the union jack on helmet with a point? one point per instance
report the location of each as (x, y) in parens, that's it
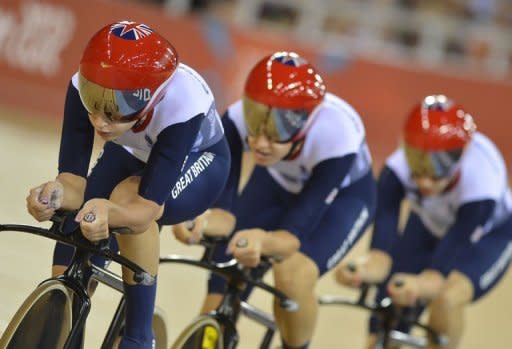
(125, 69)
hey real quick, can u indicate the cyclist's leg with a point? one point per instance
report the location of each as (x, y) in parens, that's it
(410, 253)
(143, 249)
(448, 308)
(297, 276)
(474, 272)
(339, 229)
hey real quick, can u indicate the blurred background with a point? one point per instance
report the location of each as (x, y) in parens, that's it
(382, 56)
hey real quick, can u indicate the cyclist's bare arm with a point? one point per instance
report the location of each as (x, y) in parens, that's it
(257, 242)
(124, 208)
(212, 222)
(429, 283)
(371, 268)
(219, 222)
(280, 243)
(73, 188)
(135, 213)
(378, 266)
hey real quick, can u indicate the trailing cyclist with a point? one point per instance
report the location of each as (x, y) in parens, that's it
(456, 244)
(301, 185)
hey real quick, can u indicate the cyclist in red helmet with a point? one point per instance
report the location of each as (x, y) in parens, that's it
(455, 245)
(300, 187)
(165, 158)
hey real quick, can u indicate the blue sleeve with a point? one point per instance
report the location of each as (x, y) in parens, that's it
(226, 199)
(470, 216)
(310, 206)
(390, 193)
(77, 136)
(166, 159)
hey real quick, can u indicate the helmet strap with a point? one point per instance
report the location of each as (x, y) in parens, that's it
(453, 181)
(143, 122)
(295, 149)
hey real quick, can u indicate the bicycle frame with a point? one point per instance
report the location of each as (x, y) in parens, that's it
(390, 316)
(77, 275)
(231, 306)
(262, 318)
(115, 282)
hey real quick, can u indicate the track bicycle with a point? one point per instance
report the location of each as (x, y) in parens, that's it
(389, 317)
(54, 315)
(217, 329)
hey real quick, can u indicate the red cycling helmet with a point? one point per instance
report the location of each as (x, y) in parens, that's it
(435, 134)
(124, 70)
(281, 92)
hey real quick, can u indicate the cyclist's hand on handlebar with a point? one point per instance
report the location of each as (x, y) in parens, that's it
(404, 289)
(184, 233)
(246, 246)
(350, 273)
(191, 232)
(371, 268)
(93, 219)
(43, 200)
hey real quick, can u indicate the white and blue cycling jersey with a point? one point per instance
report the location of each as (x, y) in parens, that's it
(467, 228)
(325, 194)
(337, 131)
(483, 177)
(184, 122)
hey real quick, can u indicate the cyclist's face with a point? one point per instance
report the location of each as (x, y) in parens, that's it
(108, 129)
(266, 152)
(428, 185)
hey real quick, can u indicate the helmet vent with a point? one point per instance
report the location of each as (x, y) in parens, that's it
(290, 58)
(437, 103)
(130, 30)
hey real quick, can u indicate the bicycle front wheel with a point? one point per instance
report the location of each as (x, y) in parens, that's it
(203, 333)
(43, 321)
(160, 328)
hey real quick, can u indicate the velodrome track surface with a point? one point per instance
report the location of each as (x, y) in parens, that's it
(28, 154)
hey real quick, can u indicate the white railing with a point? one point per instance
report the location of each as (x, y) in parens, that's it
(370, 28)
